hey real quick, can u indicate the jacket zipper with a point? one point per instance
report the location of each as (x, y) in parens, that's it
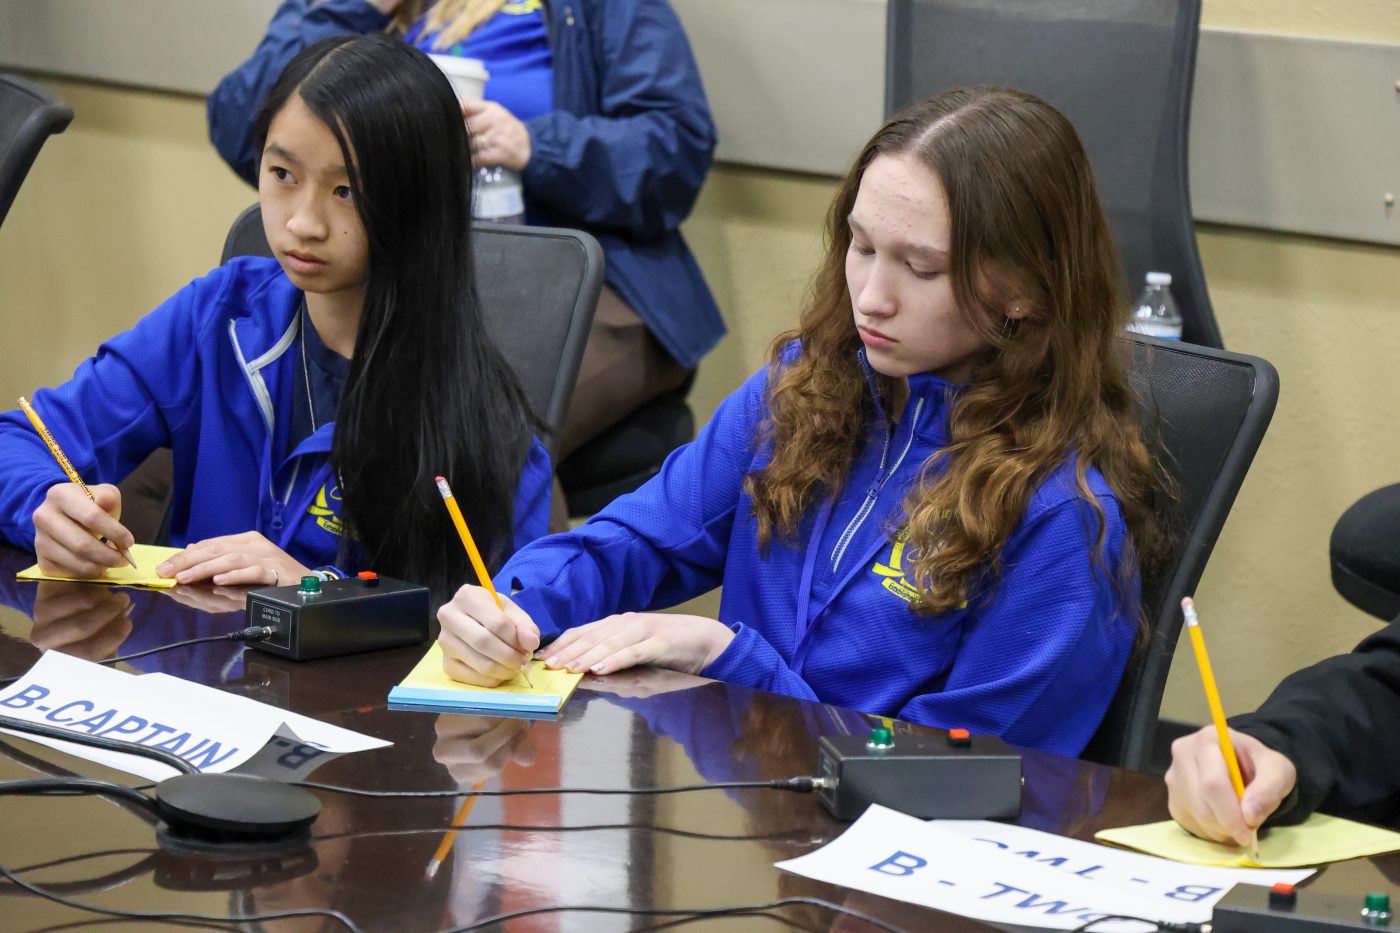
(873, 493)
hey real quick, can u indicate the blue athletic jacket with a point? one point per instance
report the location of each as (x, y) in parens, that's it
(622, 156)
(206, 374)
(828, 619)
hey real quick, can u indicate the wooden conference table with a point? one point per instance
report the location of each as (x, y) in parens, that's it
(377, 860)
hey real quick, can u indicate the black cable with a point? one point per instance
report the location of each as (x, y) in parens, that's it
(107, 921)
(98, 741)
(251, 633)
(83, 857)
(1162, 926)
(699, 913)
(75, 787)
(168, 915)
(97, 884)
(799, 785)
(783, 839)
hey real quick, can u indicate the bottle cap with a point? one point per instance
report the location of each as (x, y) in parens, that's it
(1159, 278)
(310, 584)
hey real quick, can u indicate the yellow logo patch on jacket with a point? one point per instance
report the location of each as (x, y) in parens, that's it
(893, 571)
(324, 509)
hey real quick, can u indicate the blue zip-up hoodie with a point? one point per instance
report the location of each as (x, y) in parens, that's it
(207, 374)
(623, 154)
(1036, 663)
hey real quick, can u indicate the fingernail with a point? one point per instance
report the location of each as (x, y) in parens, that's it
(597, 668)
(164, 569)
(219, 579)
(552, 661)
(183, 577)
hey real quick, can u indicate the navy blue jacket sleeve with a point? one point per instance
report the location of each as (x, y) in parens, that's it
(635, 167)
(120, 405)
(235, 102)
(1037, 665)
(653, 548)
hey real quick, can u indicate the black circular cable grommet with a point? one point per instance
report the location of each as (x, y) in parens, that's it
(220, 809)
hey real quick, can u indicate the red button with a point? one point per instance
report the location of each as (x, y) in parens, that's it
(1282, 895)
(959, 738)
(368, 578)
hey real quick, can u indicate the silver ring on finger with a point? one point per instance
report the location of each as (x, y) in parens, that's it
(276, 577)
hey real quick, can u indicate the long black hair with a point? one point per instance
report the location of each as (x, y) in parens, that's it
(427, 392)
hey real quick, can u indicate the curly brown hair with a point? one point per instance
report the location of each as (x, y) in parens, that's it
(1026, 222)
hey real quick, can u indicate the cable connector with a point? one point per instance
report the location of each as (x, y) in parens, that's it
(251, 633)
(798, 785)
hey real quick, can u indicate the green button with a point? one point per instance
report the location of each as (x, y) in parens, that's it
(1377, 902)
(310, 584)
(880, 737)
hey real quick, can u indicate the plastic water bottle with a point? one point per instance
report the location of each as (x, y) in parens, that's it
(497, 196)
(496, 192)
(1156, 314)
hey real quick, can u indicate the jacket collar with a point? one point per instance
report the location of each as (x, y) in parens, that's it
(936, 390)
(261, 332)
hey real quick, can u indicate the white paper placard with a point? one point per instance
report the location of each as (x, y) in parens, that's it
(901, 857)
(1157, 879)
(214, 731)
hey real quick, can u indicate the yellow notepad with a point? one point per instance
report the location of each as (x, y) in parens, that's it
(427, 687)
(147, 556)
(1315, 841)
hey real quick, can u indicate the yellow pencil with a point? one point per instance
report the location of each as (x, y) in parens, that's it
(1217, 712)
(67, 466)
(478, 564)
(450, 836)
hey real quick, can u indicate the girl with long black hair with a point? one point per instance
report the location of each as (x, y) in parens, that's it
(309, 400)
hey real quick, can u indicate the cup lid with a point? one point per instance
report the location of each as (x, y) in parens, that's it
(459, 67)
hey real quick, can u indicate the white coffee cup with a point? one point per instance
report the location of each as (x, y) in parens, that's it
(468, 75)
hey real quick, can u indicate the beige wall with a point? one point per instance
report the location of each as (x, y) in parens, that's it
(119, 211)
(132, 202)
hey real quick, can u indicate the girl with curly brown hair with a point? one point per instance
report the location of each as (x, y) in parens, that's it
(931, 503)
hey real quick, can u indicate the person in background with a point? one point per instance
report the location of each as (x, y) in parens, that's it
(931, 504)
(1322, 740)
(598, 105)
(309, 399)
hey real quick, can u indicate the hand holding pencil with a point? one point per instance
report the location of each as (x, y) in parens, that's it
(76, 528)
(1223, 784)
(486, 639)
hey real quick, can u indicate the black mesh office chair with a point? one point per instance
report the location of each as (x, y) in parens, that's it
(1121, 70)
(1204, 413)
(539, 287)
(29, 115)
